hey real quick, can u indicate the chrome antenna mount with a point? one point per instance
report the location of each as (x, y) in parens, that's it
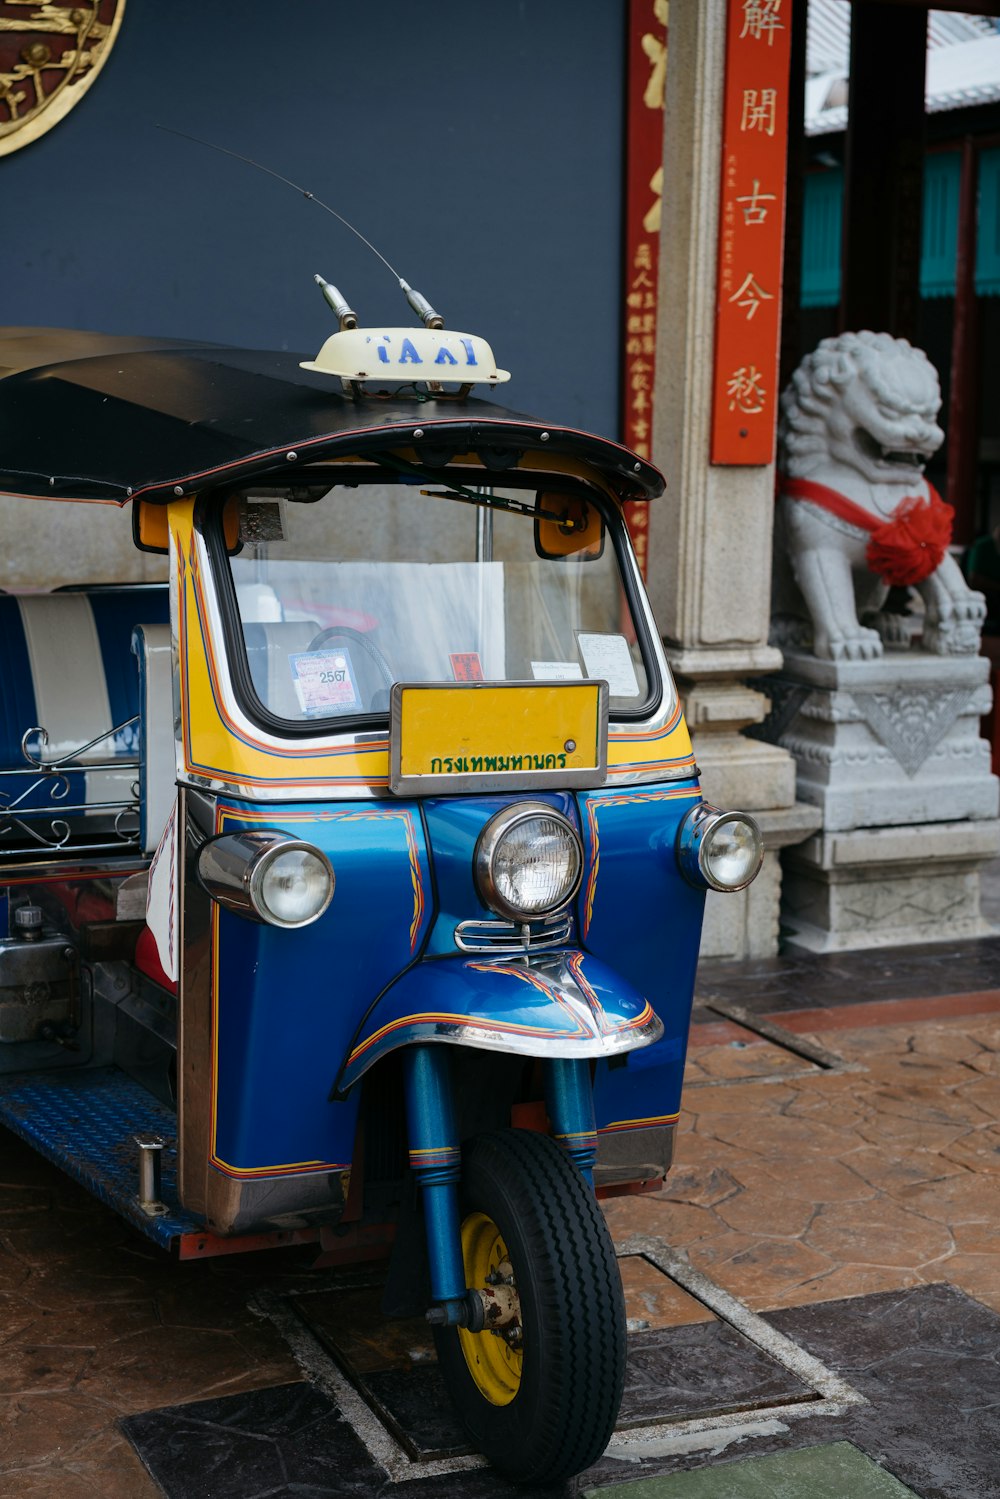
(344, 312)
(425, 312)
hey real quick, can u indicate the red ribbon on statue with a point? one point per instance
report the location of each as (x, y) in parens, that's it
(903, 550)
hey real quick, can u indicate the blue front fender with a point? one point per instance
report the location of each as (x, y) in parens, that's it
(560, 1004)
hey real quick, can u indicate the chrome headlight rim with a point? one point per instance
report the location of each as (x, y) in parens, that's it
(233, 866)
(258, 873)
(694, 841)
(497, 828)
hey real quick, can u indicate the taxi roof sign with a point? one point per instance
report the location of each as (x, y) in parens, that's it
(433, 354)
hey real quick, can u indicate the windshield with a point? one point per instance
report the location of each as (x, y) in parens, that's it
(341, 596)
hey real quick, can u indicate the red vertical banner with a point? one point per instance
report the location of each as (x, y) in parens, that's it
(647, 76)
(751, 229)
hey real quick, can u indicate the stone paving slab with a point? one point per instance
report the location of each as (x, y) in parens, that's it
(832, 1470)
(821, 980)
(267, 1443)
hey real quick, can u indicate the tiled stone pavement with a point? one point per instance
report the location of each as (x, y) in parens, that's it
(96, 1323)
(816, 1187)
(838, 1184)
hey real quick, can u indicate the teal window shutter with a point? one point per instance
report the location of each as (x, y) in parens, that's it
(988, 225)
(939, 228)
(822, 211)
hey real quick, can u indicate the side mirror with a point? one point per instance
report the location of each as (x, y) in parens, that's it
(150, 530)
(568, 526)
(151, 527)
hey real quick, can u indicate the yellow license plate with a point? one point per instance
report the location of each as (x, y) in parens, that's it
(491, 736)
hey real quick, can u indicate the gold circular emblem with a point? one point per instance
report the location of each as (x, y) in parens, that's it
(50, 54)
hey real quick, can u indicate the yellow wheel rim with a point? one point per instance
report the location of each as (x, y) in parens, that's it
(494, 1365)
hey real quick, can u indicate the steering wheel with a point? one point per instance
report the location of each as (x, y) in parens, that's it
(355, 637)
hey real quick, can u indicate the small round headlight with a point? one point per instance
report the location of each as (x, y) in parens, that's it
(528, 861)
(267, 876)
(720, 850)
(292, 886)
(732, 853)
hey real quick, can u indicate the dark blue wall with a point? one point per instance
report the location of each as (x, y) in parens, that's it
(477, 143)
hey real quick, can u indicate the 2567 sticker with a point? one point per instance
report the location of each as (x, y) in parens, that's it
(324, 682)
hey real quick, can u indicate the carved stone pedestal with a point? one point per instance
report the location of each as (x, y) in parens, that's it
(875, 887)
(889, 751)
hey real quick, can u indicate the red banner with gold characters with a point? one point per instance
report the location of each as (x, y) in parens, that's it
(751, 231)
(647, 76)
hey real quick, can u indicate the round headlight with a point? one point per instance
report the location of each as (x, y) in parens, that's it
(528, 861)
(732, 853)
(267, 876)
(292, 886)
(723, 850)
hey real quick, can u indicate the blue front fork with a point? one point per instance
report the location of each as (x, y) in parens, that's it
(436, 1157)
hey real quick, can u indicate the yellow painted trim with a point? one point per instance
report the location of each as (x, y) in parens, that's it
(649, 1123)
(218, 743)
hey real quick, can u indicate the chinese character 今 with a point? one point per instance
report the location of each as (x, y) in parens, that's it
(750, 295)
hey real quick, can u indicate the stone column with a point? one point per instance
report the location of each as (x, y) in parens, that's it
(710, 534)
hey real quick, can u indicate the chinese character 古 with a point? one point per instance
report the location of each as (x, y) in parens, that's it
(753, 213)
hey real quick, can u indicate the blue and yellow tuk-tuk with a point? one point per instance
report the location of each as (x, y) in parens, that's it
(351, 880)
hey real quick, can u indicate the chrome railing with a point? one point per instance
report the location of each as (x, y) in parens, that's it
(53, 822)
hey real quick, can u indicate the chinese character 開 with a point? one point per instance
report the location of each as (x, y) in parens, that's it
(759, 110)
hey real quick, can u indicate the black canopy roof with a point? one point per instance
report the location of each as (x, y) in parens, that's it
(98, 416)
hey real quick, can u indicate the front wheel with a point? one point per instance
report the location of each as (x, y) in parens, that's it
(540, 1395)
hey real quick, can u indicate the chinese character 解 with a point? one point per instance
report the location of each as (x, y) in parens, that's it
(760, 19)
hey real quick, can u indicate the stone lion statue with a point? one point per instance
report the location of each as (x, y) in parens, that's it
(855, 513)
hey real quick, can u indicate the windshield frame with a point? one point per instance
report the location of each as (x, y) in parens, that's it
(208, 519)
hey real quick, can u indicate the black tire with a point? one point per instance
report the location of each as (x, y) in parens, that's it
(572, 1371)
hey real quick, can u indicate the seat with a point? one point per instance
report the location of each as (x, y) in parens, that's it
(66, 668)
(157, 762)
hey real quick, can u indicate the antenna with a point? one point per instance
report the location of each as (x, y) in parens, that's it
(419, 303)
